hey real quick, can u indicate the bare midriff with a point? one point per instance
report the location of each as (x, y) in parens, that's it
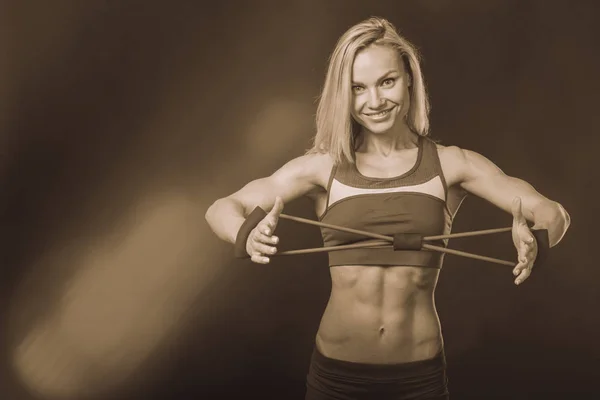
(381, 315)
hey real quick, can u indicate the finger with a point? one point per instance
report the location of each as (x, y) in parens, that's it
(272, 217)
(517, 211)
(259, 259)
(532, 251)
(277, 207)
(266, 239)
(263, 234)
(523, 276)
(525, 251)
(520, 267)
(528, 252)
(265, 228)
(525, 235)
(263, 248)
(278, 204)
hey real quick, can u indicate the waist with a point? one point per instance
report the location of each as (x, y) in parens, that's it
(348, 343)
(378, 370)
(381, 315)
(422, 379)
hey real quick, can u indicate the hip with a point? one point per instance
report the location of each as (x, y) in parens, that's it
(330, 378)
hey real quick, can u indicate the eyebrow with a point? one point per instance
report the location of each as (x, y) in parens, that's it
(384, 76)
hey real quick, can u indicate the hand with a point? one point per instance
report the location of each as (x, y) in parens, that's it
(261, 241)
(524, 242)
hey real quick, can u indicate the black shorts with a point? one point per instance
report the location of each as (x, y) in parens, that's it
(330, 379)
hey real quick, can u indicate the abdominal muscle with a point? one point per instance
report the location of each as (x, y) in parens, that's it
(381, 315)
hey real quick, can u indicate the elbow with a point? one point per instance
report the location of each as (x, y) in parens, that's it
(220, 208)
(564, 215)
(564, 222)
(558, 221)
(209, 215)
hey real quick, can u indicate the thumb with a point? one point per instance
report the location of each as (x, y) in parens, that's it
(517, 212)
(273, 217)
(525, 235)
(277, 207)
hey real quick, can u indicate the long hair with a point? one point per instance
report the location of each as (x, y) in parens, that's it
(336, 129)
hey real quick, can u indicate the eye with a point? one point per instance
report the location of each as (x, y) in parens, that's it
(388, 82)
(357, 89)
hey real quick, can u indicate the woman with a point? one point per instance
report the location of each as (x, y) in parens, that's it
(372, 167)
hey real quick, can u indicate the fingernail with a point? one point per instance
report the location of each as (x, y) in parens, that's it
(275, 239)
(267, 231)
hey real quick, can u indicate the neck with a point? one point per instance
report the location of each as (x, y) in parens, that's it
(396, 139)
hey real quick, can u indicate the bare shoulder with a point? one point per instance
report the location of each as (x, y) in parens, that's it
(313, 169)
(316, 161)
(459, 164)
(458, 155)
(454, 161)
(451, 153)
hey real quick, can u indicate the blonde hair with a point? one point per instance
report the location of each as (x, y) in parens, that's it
(336, 129)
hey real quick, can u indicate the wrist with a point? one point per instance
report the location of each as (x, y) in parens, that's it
(241, 238)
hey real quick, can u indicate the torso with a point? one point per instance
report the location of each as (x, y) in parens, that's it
(384, 314)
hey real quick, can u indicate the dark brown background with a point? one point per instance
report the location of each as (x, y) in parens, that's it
(121, 121)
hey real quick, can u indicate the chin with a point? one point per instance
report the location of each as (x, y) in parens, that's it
(379, 128)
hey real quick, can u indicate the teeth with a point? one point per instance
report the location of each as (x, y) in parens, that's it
(380, 114)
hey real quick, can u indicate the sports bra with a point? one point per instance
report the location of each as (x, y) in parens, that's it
(414, 202)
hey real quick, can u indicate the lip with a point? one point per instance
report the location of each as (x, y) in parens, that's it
(376, 115)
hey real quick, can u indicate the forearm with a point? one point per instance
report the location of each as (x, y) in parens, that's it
(552, 216)
(225, 217)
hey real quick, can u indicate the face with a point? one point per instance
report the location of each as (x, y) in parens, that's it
(380, 89)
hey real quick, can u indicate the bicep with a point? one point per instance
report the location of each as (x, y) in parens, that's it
(295, 179)
(483, 178)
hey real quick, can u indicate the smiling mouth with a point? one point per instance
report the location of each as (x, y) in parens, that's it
(380, 114)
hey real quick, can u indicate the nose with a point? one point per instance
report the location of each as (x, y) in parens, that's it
(375, 100)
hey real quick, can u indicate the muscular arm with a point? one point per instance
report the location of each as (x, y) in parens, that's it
(483, 178)
(296, 178)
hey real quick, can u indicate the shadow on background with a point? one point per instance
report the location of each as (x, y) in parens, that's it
(123, 121)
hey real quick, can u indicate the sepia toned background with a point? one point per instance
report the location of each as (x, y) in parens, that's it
(122, 121)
